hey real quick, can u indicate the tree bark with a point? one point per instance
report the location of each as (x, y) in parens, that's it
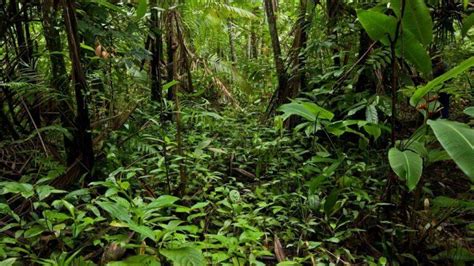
(157, 54)
(233, 57)
(298, 55)
(59, 80)
(83, 125)
(332, 9)
(281, 94)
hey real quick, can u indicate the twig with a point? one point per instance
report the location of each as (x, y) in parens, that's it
(36, 128)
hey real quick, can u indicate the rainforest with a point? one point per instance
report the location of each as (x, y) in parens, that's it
(236, 132)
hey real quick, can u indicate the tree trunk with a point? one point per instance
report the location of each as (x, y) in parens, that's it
(281, 94)
(25, 51)
(298, 55)
(365, 82)
(84, 138)
(231, 41)
(59, 80)
(157, 54)
(253, 42)
(332, 9)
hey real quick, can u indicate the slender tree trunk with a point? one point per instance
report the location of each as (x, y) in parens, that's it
(253, 42)
(171, 47)
(59, 80)
(298, 55)
(174, 39)
(280, 96)
(231, 41)
(84, 137)
(332, 8)
(157, 52)
(364, 82)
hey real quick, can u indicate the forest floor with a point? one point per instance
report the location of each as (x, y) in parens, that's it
(255, 194)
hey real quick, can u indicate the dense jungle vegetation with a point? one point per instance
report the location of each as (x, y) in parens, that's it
(236, 132)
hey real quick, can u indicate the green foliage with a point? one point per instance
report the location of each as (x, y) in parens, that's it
(455, 71)
(379, 27)
(414, 34)
(136, 261)
(307, 110)
(184, 256)
(141, 8)
(314, 188)
(458, 140)
(416, 19)
(467, 24)
(407, 165)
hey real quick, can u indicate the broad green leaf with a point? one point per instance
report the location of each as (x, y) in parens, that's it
(87, 47)
(26, 190)
(469, 111)
(307, 110)
(373, 130)
(416, 19)
(169, 85)
(412, 50)
(143, 230)
(446, 202)
(459, 255)
(8, 262)
(46, 190)
(200, 205)
(137, 260)
(5, 209)
(185, 256)
(377, 25)
(161, 202)
(458, 140)
(422, 91)
(437, 155)
(467, 23)
(407, 165)
(34, 231)
(371, 114)
(141, 8)
(115, 210)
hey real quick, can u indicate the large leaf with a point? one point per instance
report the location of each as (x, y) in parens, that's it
(469, 111)
(416, 19)
(458, 140)
(161, 202)
(407, 165)
(185, 256)
(24, 189)
(413, 51)
(377, 25)
(115, 210)
(8, 262)
(446, 202)
(467, 23)
(307, 110)
(422, 91)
